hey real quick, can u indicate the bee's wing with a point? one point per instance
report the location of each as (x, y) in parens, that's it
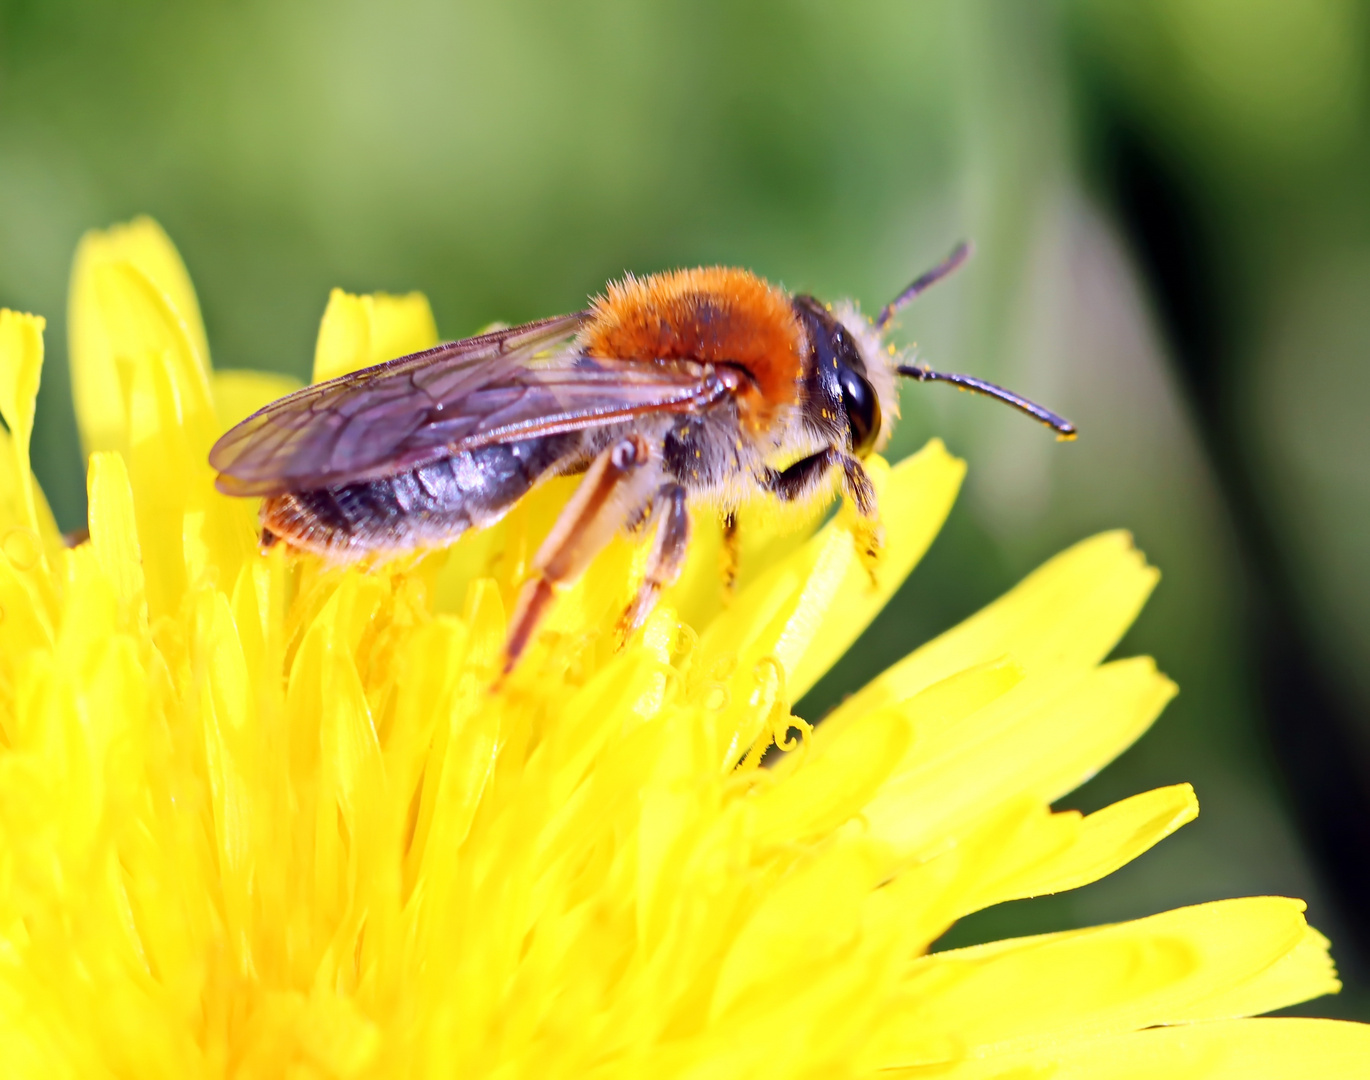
(495, 388)
(351, 424)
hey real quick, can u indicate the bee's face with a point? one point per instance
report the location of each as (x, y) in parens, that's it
(846, 372)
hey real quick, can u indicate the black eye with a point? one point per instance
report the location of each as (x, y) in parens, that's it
(863, 409)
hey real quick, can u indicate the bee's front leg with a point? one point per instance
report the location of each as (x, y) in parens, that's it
(614, 488)
(868, 535)
(805, 477)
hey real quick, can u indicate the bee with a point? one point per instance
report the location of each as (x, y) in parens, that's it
(706, 388)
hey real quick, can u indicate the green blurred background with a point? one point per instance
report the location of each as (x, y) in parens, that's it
(1170, 207)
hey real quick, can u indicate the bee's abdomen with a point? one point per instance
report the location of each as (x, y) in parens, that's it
(432, 504)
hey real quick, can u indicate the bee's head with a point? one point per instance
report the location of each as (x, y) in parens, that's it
(851, 364)
(850, 370)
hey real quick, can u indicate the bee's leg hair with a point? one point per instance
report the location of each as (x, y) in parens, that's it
(607, 498)
(806, 475)
(728, 557)
(867, 535)
(667, 557)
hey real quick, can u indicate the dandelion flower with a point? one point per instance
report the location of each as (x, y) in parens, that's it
(263, 818)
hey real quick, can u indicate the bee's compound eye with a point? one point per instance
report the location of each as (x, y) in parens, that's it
(863, 410)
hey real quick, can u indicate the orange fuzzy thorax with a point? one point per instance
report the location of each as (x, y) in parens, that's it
(714, 315)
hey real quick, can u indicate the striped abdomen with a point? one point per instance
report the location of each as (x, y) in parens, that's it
(434, 503)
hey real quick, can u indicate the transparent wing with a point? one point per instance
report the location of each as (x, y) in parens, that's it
(507, 385)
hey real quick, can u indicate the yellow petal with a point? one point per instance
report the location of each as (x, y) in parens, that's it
(1270, 1049)
(245, 767)
(835, 780)
(27, 529)
(130, 293)
(30, 612)
(140, 372)
(810, 914)
(16, 508)
(1070, 612)
(21, 366)
(238, 394)
(338, 1036)
(1069, 851)
(1039, 738)
(359, 331)
(113, 528)
(1304, 972)
(1010, 997)
(187, 531)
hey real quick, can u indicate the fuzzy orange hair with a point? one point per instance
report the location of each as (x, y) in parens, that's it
(713, 314)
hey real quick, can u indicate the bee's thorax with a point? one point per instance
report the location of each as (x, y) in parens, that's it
(715, 315)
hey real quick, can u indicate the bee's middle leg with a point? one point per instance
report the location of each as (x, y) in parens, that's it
(667, 558)
(610, 493)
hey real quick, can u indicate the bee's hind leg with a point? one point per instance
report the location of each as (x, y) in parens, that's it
(667, 558)
(614, 489)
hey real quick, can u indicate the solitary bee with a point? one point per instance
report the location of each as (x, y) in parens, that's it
(707, 387)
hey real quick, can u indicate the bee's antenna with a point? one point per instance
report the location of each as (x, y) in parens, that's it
(959, 254)
(1064, 429)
